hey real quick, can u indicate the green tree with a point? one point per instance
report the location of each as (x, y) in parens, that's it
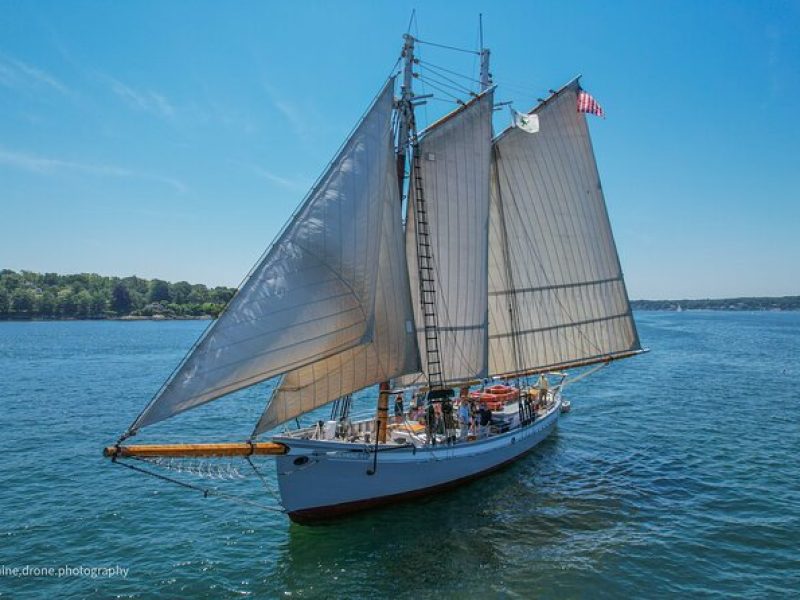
(221, 295)
(136, 284)
(23, 300)
(47, 304)
(4, 301)
(180, 292)
(11, 280)
(67, 305)
(159, 291)
(199, 294)
(83, 304)
(51, 279)
(121, 302)
(99, 304)
(211, 309)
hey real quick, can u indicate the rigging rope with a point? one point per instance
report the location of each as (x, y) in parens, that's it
(206, 491)
(454, 84)
(445, 92)
(591, 371)
(269, 489)
(461, 89)
(429, 65)
(419, 41)
(449, 101)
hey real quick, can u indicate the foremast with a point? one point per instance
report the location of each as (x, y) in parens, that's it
(405, 111)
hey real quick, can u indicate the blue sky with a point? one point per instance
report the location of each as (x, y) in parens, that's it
(173, 139)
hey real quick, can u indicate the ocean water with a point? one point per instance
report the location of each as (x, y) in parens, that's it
(677, 474)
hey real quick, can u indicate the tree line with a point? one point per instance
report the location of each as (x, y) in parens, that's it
(765, 303)
(29, 295)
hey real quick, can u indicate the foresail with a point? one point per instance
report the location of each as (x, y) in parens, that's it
(454, 160)
(312, 295)
(556, 292)
(391, 352)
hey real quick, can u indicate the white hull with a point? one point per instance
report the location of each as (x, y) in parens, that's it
(324, 479)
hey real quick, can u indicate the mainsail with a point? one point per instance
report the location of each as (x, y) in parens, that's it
(312, 295)
(556, 293)
(454, 158)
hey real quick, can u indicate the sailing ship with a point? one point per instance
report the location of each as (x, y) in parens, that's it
(503, 269)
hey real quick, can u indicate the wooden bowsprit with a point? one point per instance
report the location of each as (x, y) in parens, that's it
(195, 450)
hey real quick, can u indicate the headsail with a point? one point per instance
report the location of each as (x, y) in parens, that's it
(392, 351)
(312, 295)
(556, 292)
(454, 161)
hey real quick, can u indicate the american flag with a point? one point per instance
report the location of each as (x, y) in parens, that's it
(587, 104)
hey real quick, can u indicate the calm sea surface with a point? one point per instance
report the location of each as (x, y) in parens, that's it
(676, 474)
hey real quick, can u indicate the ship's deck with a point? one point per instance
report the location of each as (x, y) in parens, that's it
(408, 430)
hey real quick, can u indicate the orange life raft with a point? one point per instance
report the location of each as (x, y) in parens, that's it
(496, 396)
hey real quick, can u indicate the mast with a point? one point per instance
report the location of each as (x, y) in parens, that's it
(486, 77)
(408, 139)
(406, 110)
(509, 272)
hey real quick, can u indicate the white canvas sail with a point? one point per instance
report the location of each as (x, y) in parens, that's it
(391, 352)
(454, 159)
(556, 292)
(312, 295)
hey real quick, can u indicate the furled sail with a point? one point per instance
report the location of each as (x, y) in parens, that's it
(312, 295)
(391, 352)
(556, 292)
(454, 157)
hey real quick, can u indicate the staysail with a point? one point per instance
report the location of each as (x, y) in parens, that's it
(454, 157)
(556, 292)
(391, 352)
(312, 295)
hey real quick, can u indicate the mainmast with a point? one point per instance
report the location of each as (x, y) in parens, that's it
(427, 290)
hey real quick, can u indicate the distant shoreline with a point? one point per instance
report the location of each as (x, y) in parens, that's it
(757, 304)
(30, 296)
(123, 318)
(730, 310)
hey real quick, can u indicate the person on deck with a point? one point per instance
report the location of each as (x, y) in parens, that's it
(543, 384)
(449, 421)
(473, 417)
(484, 420)
(398, 408)
(441, 425)
(464, 417)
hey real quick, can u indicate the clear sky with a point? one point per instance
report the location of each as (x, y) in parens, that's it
(173, 139)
